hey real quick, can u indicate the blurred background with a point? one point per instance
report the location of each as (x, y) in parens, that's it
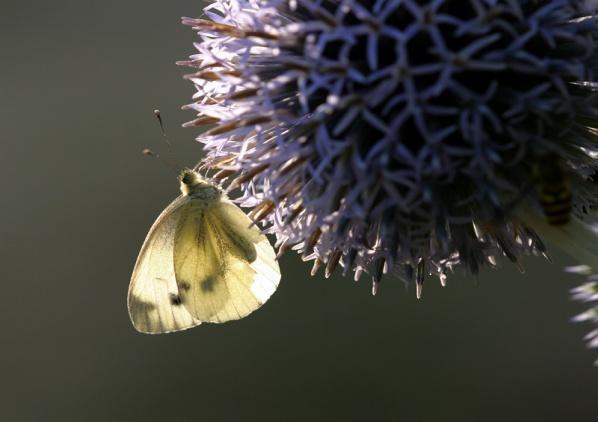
(78, 83)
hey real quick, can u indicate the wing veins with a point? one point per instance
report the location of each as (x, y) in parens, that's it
(218, 226)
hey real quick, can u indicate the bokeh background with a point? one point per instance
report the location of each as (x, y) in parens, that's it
(78, 83)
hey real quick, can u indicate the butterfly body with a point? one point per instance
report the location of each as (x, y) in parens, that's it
(202, 261)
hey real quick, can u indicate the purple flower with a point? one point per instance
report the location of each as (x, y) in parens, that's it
(403, 135)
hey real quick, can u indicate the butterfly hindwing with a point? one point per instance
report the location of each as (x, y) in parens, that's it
(265, 265)
(219, 264)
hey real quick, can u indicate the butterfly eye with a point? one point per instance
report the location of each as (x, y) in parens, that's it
(187, 179)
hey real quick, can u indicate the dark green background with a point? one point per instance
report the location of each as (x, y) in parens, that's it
(78, 83)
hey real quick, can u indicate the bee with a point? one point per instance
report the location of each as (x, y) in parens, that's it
(555, 191)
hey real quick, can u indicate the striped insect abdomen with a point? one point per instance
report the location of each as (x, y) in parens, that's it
(555, 192)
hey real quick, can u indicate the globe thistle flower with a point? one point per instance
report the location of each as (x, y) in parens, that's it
(405, 135)
(587, 293)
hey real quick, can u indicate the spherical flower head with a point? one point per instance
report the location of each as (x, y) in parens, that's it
(403, 135)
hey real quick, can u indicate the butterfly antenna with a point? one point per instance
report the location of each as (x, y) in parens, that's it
(149, 153)
(159, 117)
(166, 163)
(169, 162)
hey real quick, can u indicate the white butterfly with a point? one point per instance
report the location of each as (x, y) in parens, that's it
(201, 261)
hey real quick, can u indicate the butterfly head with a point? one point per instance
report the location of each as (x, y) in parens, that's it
(192, 184)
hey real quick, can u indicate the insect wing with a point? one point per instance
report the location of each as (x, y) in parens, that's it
(153, 299)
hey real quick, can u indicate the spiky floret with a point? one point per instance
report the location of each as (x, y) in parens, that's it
(401, 134)
(587, 293)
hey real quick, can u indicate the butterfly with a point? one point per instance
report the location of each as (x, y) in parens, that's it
(202, 261)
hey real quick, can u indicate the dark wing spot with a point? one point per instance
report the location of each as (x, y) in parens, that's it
(208, 285)
(175, 299)
(141, 306)
(184, 286)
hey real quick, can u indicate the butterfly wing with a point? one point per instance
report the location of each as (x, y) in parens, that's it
(153, 300)
(224, 269)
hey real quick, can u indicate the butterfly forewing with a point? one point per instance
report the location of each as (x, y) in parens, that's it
(153, 293)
